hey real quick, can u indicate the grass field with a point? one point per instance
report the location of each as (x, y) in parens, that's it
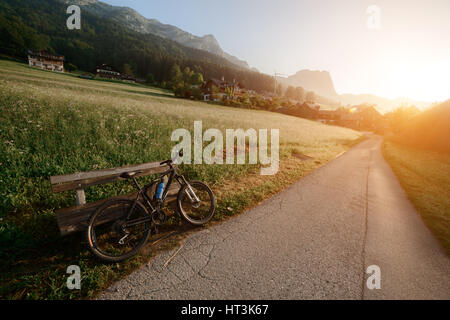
(424, 175)
(55, 124)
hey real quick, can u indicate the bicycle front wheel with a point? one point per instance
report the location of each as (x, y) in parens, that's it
(196, 204)
(108, 235)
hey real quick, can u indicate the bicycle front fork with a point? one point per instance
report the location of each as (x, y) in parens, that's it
(190, 193)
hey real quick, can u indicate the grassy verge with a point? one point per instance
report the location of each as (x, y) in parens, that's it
(424, 175)
(55, 124)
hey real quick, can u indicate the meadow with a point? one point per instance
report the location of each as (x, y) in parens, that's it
(424, 175)
(54, 124)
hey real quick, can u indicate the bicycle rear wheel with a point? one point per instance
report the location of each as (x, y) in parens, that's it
(108, 236)
(196, 212)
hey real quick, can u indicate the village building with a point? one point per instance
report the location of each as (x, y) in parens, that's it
(108, 72)
(217, 90)
(361, 117)
(46, 60)
(127, 78)
(328, 116)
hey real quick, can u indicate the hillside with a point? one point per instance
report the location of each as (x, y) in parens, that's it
(40, 25)
(135, 21)
(429, 129)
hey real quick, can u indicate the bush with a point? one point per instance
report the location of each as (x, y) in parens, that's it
(71, 67)
(150, 79)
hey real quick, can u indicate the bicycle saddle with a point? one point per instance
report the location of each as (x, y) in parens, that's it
(128, 175)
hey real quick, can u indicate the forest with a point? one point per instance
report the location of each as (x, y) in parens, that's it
(41, 25)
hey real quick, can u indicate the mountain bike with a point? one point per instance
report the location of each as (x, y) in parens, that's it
(119, 228)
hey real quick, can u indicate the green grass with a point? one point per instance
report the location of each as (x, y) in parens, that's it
(424, 175)
(55, 124)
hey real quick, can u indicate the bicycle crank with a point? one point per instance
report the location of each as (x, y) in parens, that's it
(159, 217)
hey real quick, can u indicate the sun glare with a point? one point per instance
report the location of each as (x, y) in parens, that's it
(426, 81)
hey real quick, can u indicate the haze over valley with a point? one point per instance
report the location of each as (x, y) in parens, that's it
(321, 82)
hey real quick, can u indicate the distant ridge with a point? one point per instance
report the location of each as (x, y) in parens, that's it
(383, 104)
(318, 81)
(322, 84)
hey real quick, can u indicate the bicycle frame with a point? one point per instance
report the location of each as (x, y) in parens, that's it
(143, 192)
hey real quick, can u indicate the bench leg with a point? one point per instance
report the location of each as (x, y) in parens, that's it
(81, 197)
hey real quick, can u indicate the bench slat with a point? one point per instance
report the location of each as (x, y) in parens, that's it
(82, 180)
(75, 219)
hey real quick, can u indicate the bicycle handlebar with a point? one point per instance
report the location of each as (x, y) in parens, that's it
(169, 162)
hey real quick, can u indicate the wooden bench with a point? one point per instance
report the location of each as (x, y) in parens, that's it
(74, 219)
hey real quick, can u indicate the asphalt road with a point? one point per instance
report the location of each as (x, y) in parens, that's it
(314, 240)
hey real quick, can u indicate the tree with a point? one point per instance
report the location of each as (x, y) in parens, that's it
(299, 93)
(245, 100)
(175, 74)
(310, 97)
(187, 75)
(176, 80)
(214, 89)
(71, 67)
(184, 83)
(150, 79)
(127, 69)
(230, 92)
(400, 117)
(290, 93)
(197, 94)
(196, 78)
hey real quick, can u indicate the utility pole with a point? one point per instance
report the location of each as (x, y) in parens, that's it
(275, 82)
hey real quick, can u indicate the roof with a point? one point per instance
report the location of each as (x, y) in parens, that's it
(327, 112)
(218, 82)
(350, 116)
(45, 54)
(215, 81)
(366, 108)
(106, 67)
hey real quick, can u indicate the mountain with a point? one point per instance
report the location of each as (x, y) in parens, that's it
(322, 84)
(429, 129)
(318, 81)
(135, 21)
(40, 24)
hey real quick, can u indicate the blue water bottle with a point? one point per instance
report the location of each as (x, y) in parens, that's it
(159, 190)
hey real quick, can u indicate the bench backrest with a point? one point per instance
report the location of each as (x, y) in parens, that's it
(82, 180)
(74, 218)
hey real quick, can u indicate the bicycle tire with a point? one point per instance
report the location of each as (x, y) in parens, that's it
(95, 220)
(182, 208)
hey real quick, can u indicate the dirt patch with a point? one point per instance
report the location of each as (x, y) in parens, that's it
(301, 156)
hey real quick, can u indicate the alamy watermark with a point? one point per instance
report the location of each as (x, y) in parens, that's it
(74, 280)
(214, 152)
(74, 20)
(374, 17)
(374, 280)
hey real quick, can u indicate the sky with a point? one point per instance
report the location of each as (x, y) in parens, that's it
(391, 48)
